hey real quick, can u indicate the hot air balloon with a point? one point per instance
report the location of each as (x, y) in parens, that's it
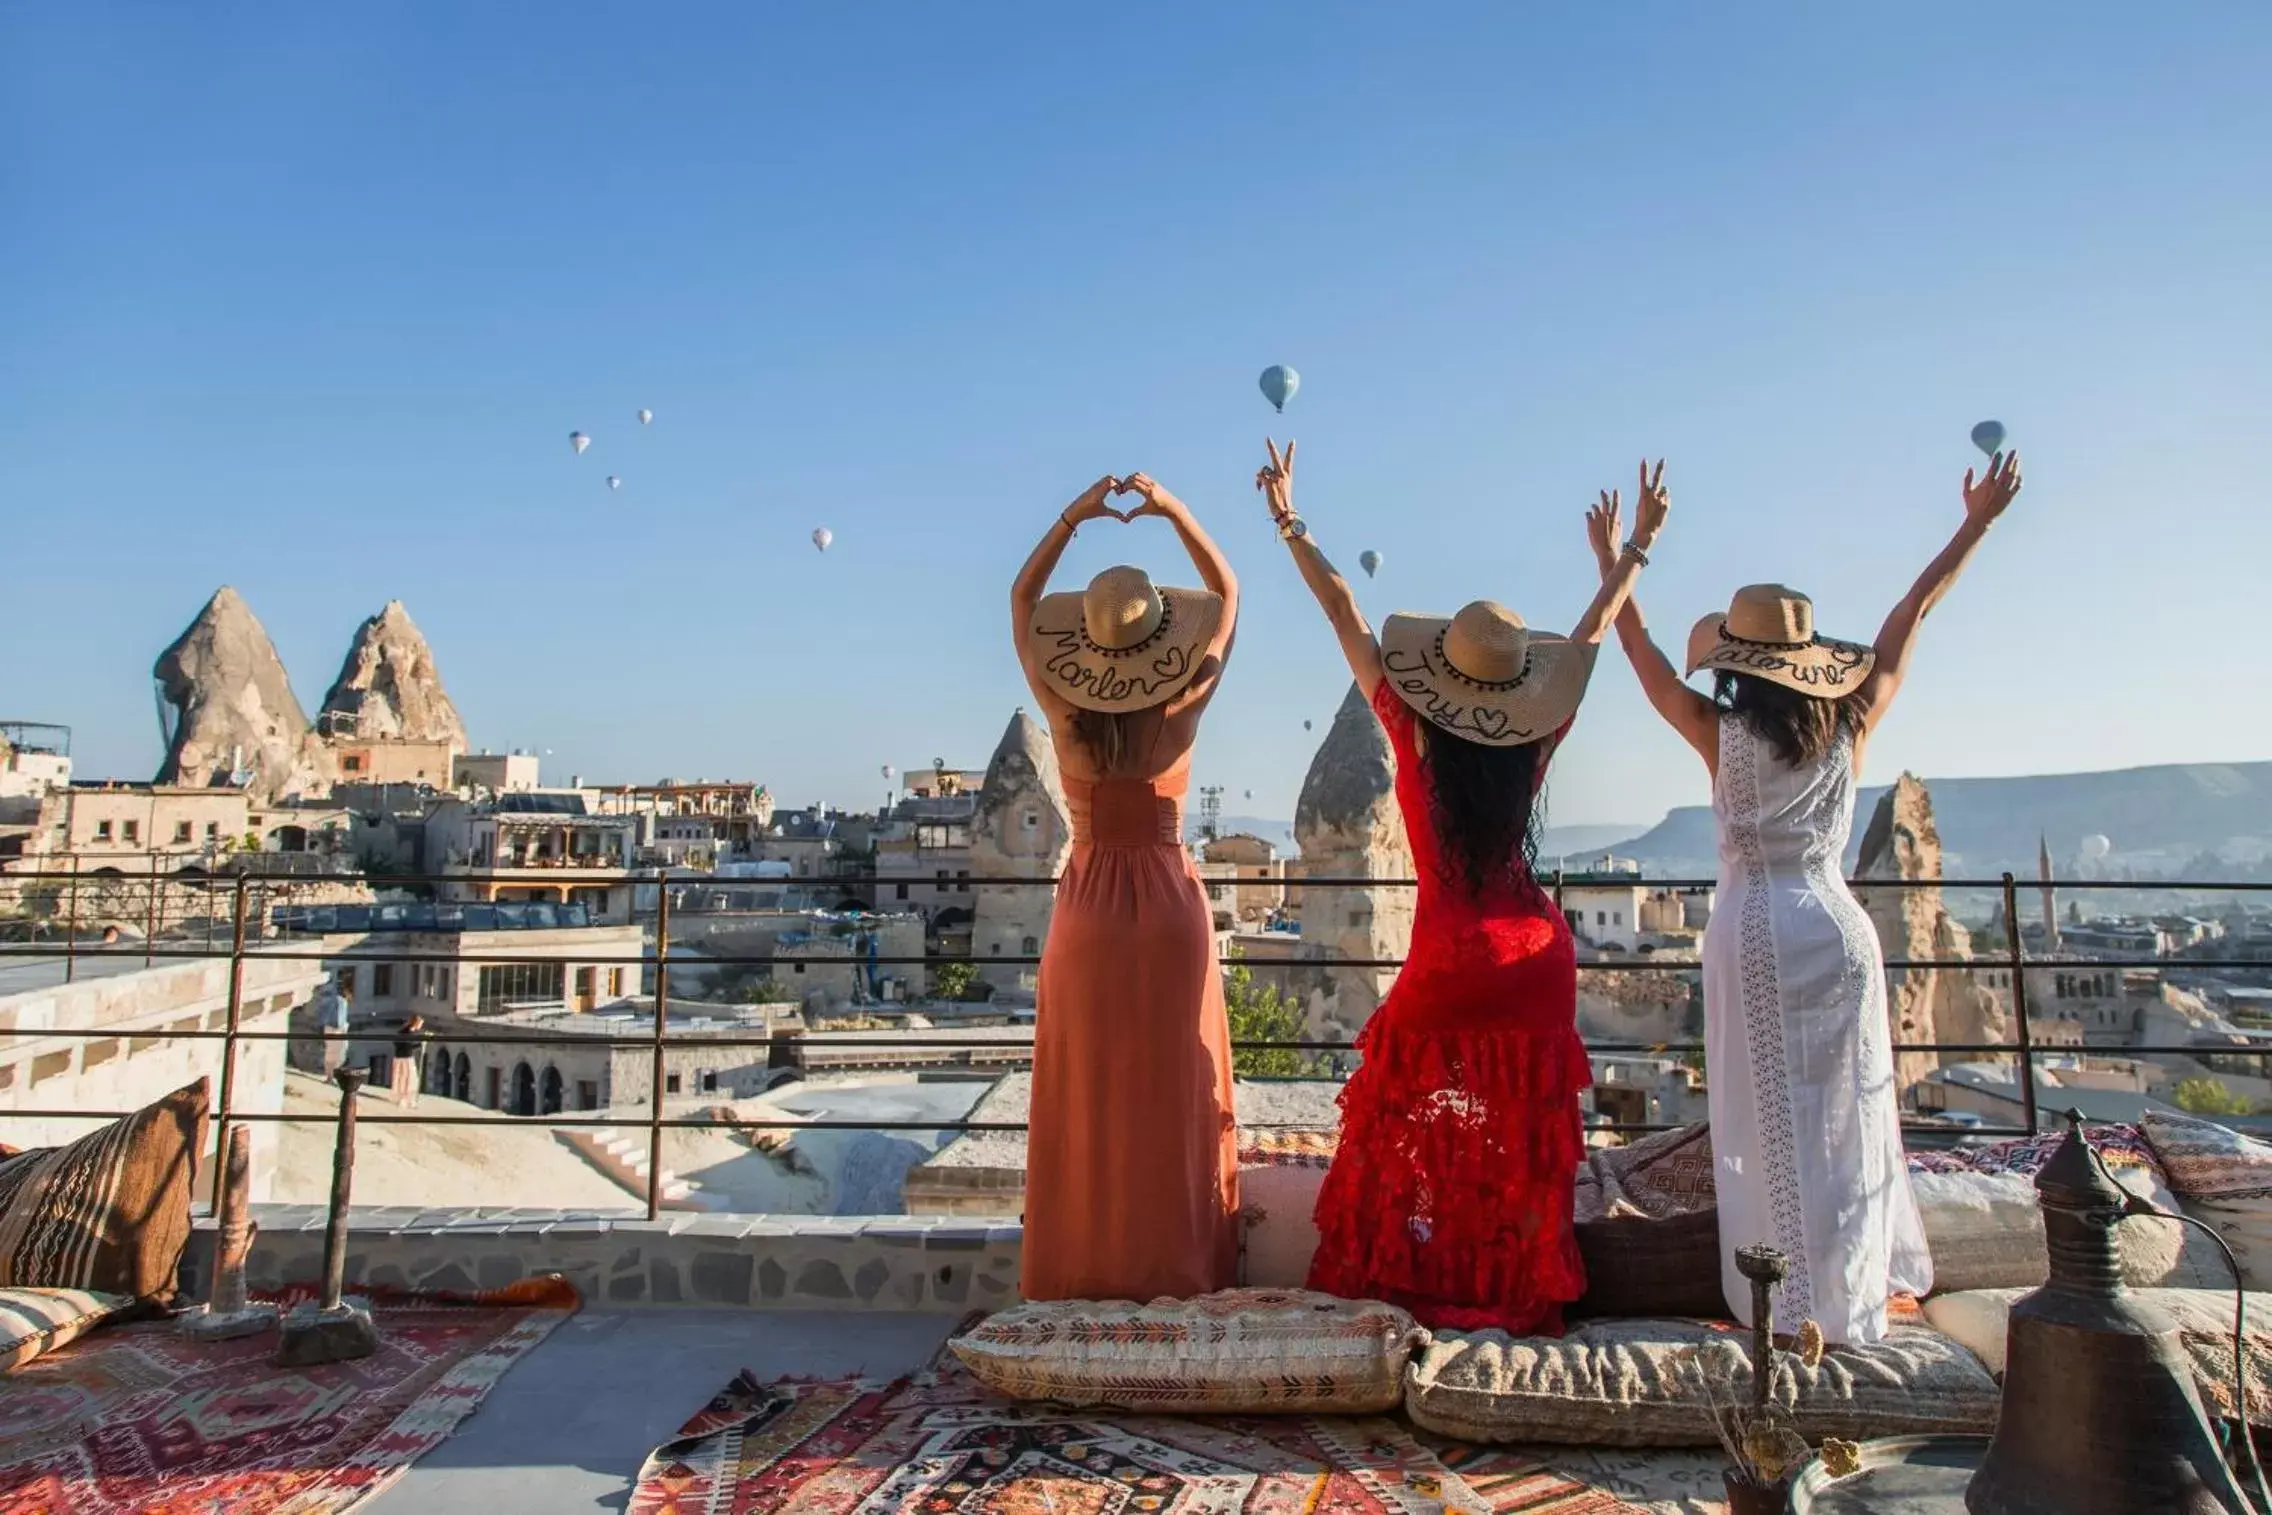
(613, 482)
(1988, 436)
(579, 441)
(646, 418)
(1250, 794)
(890, 771)
(822, 536)
(1305, 725)
(1278, 385)
(1370, 561)
(2096, 847)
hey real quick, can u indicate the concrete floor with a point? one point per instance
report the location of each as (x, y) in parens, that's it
(565, 1431)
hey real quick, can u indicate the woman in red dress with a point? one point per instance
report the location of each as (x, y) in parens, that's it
(1450, 1193)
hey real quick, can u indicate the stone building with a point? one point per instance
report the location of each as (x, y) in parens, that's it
(1022, 830)
(1348, 826)
(1258, 892)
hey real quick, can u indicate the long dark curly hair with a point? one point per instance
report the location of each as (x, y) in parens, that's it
(1797, 728)
(1488, 806)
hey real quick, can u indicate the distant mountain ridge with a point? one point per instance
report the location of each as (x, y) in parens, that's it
(2158, 818)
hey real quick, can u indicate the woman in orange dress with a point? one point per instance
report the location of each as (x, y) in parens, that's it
(1451, 1191)
(1131, 1152)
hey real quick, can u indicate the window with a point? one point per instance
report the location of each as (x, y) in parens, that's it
(212, 831)
(615, 980)
(347, 981)
(449, 988)
(382, 979)
(382, 1069)
(132, 830)
(899, 891)
(352, 763)
(710, 1081)
(962, 881)
(181, 831)
(670, 1083)
(587, 1094)
(102, 831)
(1030, 947)
(800, 967)
(1601, 917)
(1031, 820)
(502, 983)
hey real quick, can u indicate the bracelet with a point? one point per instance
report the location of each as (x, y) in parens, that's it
(1066, 522)
(1638, 556)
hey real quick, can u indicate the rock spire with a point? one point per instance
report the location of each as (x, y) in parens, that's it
(389, 687)
(234, 715)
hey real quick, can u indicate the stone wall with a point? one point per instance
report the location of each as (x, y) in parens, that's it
(767, 1262)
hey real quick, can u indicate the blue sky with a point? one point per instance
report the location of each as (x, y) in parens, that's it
(308, 299)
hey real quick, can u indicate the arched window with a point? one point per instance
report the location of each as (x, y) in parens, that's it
(464, 1071)
(552, 1093)
(524, 1089)
(1030, 947)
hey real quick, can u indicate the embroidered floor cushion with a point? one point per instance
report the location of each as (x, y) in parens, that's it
(1242, 1351)
(1980, 1319)
(1664, 1173)
(33, 1321)
(1622, 1383)
(1280, 1173)
(109, 1212)
(2222, 1179)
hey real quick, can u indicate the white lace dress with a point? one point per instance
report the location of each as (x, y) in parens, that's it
(1806, 1135)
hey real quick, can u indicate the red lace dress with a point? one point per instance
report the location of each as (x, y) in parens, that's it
(1450, 1193)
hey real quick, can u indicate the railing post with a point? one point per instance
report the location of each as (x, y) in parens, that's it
(229, 1040)
(71, 923)
(2017, 959)
(150, 916)
(662, 1016)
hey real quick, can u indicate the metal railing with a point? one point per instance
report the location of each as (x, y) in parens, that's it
(252, 914)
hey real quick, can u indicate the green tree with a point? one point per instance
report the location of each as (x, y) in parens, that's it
(2209, 1096)
(1263, 1013)
(953, 980)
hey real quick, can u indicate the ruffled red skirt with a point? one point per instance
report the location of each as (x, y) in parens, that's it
(1451, 1189)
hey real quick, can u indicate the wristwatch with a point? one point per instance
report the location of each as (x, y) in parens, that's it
(1293, 528)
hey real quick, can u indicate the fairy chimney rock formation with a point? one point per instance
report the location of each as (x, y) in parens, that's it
(389, 688)
(1347, 826)
(1022, 829)
(1922, 1004)
(234, 714)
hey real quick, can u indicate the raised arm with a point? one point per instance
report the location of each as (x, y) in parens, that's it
(1984, 501)
(1358, 644)
(1650, 507)
(1026, 588)
(1683, 709)
(1214, 568)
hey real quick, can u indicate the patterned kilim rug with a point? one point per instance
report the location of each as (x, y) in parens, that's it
(138, 1421)
(941, 1444)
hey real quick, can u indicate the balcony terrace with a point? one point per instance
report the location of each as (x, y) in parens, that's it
(676, 1302)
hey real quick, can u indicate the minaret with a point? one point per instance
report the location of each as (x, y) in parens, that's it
(2050, 895)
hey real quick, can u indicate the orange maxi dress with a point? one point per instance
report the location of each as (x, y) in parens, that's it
(1132, 1152)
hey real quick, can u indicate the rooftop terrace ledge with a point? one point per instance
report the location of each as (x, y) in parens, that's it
(930, 1264)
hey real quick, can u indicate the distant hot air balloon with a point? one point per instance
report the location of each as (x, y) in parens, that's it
(579, 441)
(1370, 561)
(822, 536)
(1250, 794)
(1988, 436)
(1305, 725)
(613, 482)
(1278, 385)
(2096, 847)
(646, 418)
(889, 771)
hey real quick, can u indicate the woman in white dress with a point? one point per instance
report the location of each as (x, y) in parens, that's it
(1806, 1134)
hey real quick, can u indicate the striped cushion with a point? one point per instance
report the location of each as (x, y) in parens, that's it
(1241, 1351)
(33, 1320)
(110, 1212)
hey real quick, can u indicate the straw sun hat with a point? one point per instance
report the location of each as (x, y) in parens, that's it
(1768, 632)
(1485, 676)
(1123, 644)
